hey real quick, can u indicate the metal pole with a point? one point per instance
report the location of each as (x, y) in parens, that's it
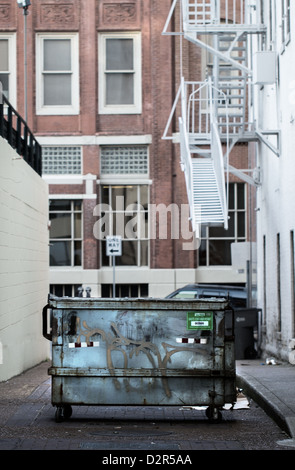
(25, 61)
(249, 267)
(114, 277)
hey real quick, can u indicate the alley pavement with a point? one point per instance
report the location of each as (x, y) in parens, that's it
(269, 384)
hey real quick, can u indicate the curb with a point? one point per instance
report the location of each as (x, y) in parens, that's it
(268, 402)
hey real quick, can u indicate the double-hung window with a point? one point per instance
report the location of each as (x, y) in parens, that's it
(8, 66)
(57, 74)
(120, 73)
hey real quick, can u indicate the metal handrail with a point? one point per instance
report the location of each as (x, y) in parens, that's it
(15, 130)
(218, 163)
(186, 163)
(217, 154)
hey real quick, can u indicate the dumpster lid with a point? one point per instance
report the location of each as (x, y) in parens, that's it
(137, 303)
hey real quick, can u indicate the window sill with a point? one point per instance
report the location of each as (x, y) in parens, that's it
(71, 268)
(57, 111)
(120, 110)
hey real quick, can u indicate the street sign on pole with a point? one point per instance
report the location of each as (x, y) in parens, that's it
(114, 245)
(114, 248)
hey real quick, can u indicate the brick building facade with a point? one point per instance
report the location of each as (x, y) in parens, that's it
(101, 82)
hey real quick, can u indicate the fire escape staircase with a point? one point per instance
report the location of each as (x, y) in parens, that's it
(202, 157)
(215, 113)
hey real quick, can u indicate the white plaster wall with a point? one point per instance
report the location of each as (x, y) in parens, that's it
(276, 198)
(24, 273)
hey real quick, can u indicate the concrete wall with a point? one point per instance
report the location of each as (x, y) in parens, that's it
(23, 264)
(161, 281)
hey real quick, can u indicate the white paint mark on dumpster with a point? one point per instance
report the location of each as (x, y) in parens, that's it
(92, 344)
(192, 340)
(1, 353)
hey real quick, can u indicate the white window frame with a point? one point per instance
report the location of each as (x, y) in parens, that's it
(271, 24)
(143, 232)
(286, 23)
(12, 72)
(74, 108)
(135, 108)
(235, 238)
(72, 239)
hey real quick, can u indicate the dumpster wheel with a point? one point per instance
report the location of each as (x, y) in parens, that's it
(62, 413)
(213, 414)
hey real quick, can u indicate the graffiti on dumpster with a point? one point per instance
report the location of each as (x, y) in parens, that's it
(116, 341)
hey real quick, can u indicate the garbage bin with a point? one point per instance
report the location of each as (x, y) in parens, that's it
(140, 352)
(247, 333)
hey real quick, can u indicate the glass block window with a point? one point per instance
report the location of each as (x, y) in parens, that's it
(61, 160)
(124, 160)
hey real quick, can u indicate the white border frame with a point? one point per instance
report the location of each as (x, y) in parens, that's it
(73, 175)
(136, 108)
(68, 197)
(41, 109)
(112, 211)
(12, 72)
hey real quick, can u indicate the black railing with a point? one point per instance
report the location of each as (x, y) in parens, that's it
(15, 130)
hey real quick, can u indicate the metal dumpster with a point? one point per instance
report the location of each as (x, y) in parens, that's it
(140, 352)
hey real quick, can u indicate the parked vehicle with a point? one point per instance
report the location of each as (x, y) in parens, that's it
(237, 295)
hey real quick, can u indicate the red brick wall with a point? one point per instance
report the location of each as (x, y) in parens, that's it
(90, 245)
(161, 78)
